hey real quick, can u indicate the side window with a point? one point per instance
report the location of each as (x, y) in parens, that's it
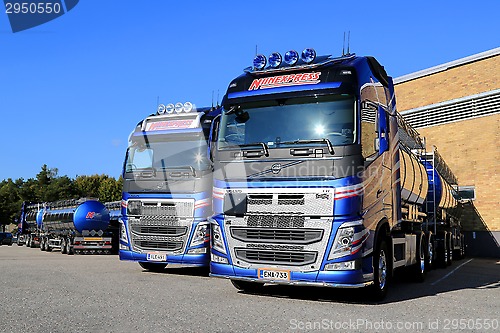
(368, 124)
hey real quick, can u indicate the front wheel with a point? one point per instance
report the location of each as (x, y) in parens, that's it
(153, 267)
(247, 286)
(381, 271)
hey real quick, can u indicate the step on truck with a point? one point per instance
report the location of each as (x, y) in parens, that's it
(317, 179)
(167, 192)
(77, 226)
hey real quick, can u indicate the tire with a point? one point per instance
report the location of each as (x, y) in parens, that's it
(431, 254)
(450, 250)
(462, 246)
(442, 253)
(69, 248)
(247, 286)
(153, 267)
(63, 246)
(381, 270)
(419, 270)
(47, 247)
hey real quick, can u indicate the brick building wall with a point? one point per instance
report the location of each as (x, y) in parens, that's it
(471, 147)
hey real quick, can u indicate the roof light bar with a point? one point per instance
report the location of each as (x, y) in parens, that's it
(291, 58)
(177, 107)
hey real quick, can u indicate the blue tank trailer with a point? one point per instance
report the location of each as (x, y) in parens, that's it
(167, 192)
(319, 181)
(83, 226)
(29, 219)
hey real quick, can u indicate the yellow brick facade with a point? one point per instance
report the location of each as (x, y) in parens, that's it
(470, 147)
(465, 80)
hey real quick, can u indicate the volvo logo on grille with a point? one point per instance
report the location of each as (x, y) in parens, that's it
(160, 186)
(276, 168)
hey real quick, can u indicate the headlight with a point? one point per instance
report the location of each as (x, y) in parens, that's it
(123, 232)
(217, 241)
(201, 234)
(134, 207)
(349, 239)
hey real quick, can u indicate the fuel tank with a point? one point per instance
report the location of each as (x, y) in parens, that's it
(89, 215)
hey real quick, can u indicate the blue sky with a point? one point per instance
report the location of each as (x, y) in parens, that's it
(71, 90)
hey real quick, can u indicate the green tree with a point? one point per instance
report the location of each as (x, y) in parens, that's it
(9, 202)
(110, 190)
(88, 186)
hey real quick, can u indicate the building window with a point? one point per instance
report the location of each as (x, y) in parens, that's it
(466, 193)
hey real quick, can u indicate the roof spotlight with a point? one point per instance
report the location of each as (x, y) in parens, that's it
(259, 62)
(179, 107)
(275, 60)
(161, 109)
(169, 108)
(188, 106)
(308, 55)
(291, 57)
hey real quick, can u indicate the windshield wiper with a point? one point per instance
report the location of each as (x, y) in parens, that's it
(182, 167)
(263, 144)
(324, 140)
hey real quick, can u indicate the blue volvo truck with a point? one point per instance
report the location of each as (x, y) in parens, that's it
(167, 191)
(318, 181)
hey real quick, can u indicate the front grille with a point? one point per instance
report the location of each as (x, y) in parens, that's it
(160, 230)
(158, 245)
(290, 199)
(276, 257)
(294, 236)
(275, 221)
(162, 226)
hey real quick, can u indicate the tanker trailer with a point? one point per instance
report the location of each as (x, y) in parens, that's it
(76, 226)
(31, 224)
(443, 210)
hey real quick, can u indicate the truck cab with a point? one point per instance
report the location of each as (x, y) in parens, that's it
(167, 189)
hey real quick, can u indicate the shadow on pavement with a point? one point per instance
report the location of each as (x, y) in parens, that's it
(477, 273)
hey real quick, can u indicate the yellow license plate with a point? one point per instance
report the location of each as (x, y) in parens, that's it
(92, 239)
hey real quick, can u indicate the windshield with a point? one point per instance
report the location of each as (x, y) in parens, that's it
(290, 121)
(160, 153)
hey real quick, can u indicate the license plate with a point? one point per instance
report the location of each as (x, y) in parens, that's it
(273, 274)
(92, 239)
(156, 256)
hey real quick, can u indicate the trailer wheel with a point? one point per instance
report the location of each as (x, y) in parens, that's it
(153, 267)
(247, 286)
(381, 270)
(63, 246)
(47, 245)
(69, 248)
(462, 246)
(450, 249)
(442, 253)
(418, 270)
(430, 253)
